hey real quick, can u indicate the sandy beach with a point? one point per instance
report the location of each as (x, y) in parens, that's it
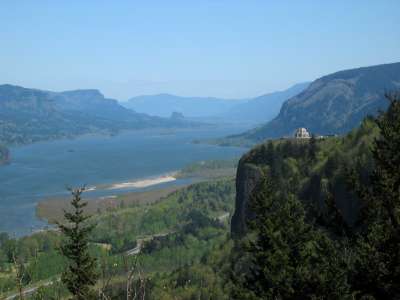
(142, 183)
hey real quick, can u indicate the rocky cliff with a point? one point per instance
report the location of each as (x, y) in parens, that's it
(247, 177)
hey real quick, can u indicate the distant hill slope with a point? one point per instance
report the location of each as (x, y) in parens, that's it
(264, 108)
(29, 115)
(333, 104)
(254, 110)
(92, 102)
(165, 104)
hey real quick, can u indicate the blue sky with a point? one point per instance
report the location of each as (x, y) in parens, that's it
(228, 49)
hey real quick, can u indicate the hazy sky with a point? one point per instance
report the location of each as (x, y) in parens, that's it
(228, 49)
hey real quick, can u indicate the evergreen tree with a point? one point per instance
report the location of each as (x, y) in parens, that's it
(378, 265)
(313, 148)
(80, 274)
(288, 258)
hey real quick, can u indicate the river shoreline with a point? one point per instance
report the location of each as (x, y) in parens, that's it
(130, 162)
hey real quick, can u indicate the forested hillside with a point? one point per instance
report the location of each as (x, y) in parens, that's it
(314, 219)
(304, 225)
(312, 173)
(310, 169)
(320, 217)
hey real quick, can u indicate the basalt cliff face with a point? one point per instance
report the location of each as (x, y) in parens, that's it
(248, 175)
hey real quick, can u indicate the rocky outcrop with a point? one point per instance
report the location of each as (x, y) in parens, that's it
(247, 177)
(177, 116)
(164, 105)
(4, 155)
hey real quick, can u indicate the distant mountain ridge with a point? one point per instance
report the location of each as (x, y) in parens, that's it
(333, 104)
(253, 110)
(265, 107)
(164, 105)
(29, 115)
(93, 102)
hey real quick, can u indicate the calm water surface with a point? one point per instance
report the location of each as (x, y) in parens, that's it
(45, 169)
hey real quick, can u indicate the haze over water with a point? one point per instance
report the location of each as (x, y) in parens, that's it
(45, 169)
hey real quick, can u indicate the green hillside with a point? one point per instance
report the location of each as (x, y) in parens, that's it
(307, 169)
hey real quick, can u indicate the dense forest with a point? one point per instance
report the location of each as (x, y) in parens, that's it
(319, 219)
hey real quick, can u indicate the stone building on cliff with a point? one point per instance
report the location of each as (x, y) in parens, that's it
(302, 133)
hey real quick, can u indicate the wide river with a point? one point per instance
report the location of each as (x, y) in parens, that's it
(45, 169)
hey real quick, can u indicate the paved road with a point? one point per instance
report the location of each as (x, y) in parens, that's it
(29, 291)
(140, 242)
(222, 217)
